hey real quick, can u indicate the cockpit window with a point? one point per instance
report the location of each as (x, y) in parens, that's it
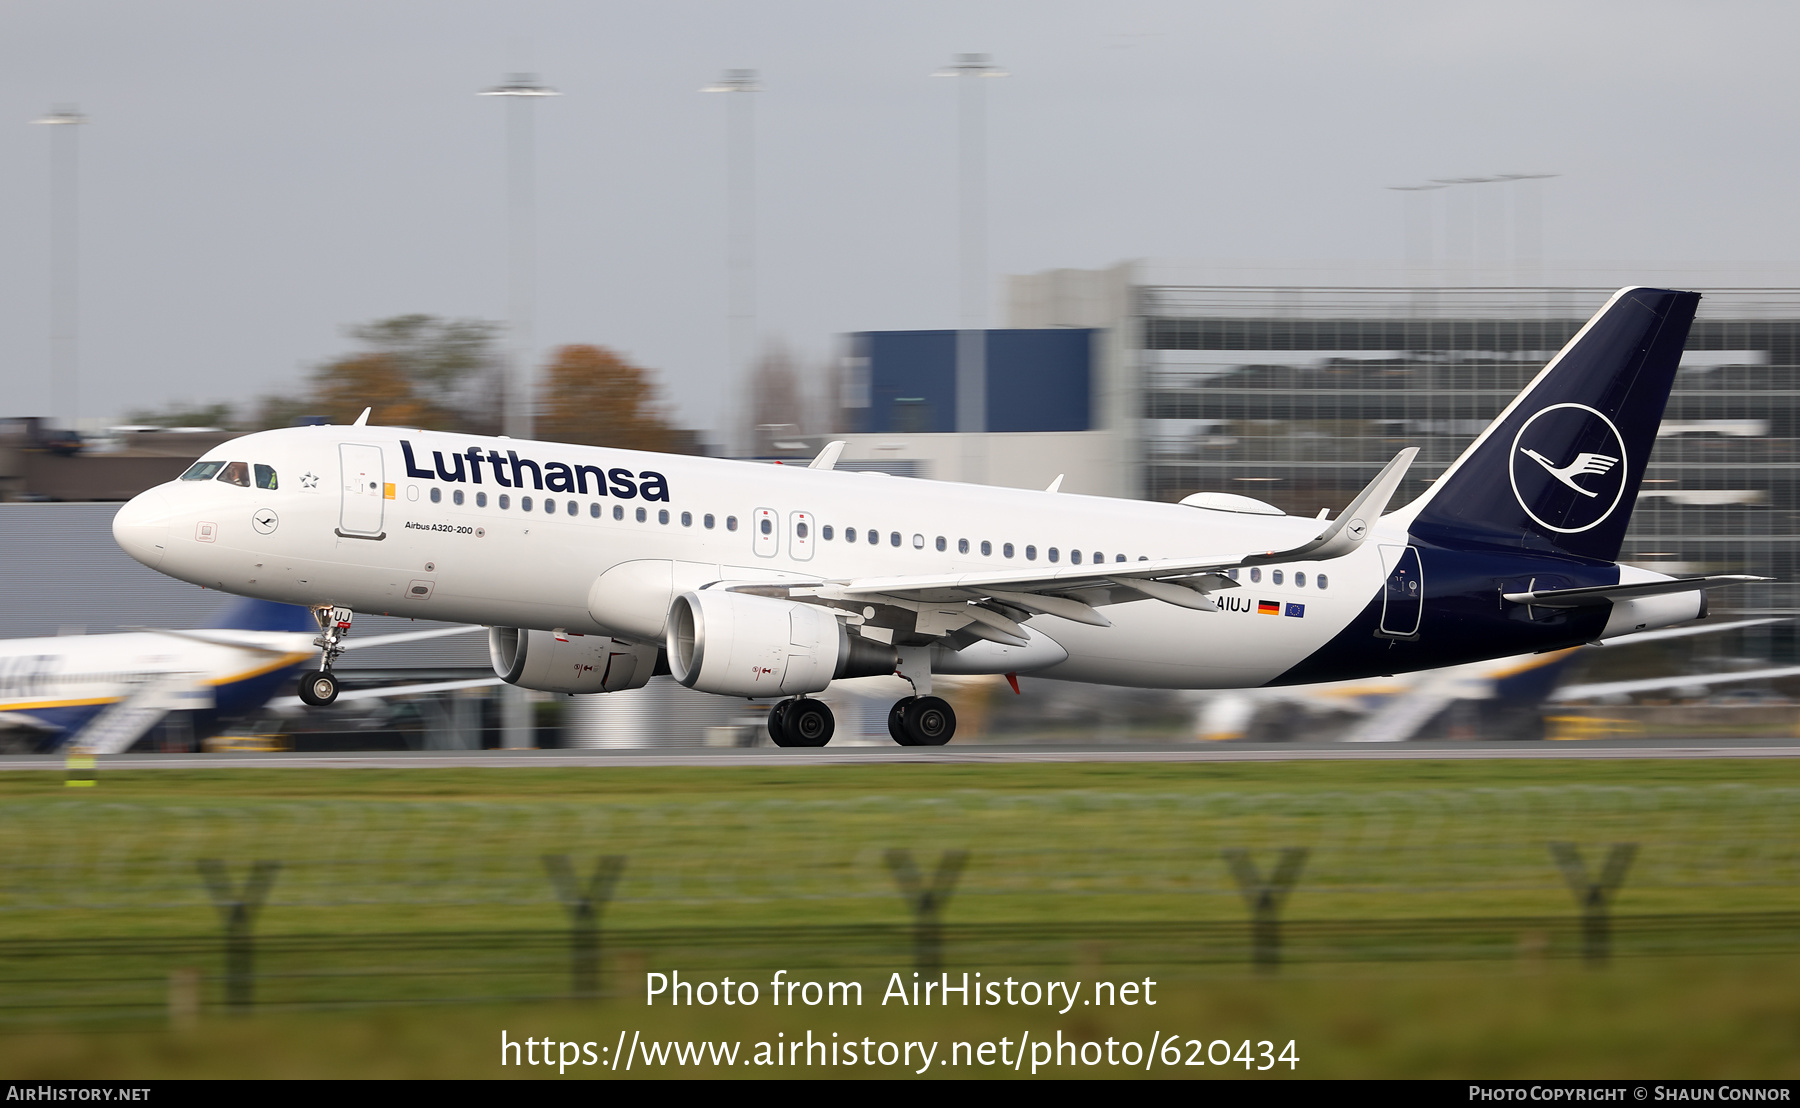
(202, 471)
(265, 477)
(236, 473)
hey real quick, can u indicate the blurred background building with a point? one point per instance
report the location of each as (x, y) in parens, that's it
(1296, 392)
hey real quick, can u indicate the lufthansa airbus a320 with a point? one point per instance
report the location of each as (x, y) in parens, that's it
(595, 568)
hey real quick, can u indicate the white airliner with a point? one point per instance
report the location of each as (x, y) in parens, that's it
(595, 568)
(101, 693)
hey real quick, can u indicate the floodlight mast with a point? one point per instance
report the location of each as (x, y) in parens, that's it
(518, 403)
(740, 231)
(65, 392)
(971, 338)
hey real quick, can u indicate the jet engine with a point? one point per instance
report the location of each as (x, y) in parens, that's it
(740, 644)
(569, 663)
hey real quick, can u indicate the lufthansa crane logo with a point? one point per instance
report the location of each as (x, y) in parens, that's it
(1568, 468)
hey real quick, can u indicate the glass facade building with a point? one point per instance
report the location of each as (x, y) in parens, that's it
(1297, 396)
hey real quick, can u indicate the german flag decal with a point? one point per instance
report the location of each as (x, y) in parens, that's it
(1267, 608)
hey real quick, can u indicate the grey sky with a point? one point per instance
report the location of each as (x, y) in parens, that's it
(257, 176)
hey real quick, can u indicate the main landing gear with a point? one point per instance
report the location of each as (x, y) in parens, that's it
(317, 686)
(914, 721)
(921, 721)
(797, 722)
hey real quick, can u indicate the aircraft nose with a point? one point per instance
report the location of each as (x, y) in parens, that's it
(141, 527)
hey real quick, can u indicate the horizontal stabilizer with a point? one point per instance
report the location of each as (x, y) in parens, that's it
(1576, 598)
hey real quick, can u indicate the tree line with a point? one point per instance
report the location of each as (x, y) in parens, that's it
(447, 375)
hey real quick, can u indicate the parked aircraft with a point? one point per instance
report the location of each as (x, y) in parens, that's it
(1511, 694)
(101, 693)
(595, 568)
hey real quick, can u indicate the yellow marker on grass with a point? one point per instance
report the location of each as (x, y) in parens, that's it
(80, 769)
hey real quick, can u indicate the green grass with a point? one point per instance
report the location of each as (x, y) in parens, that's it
(1430, 933)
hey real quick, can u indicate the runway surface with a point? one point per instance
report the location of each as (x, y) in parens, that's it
(948, 755)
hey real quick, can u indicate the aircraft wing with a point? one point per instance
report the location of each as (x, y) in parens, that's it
(395, 690)
(1685, 631)
(410, 636)
(284, 642)
(1652, 684)
(979, 603)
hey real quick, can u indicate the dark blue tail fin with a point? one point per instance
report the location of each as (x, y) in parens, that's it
(262, 615)
(1558, 471)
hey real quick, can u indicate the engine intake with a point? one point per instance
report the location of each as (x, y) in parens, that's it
(740, 644)
(574, 664)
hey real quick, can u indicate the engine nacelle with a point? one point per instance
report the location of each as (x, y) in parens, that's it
(574, 664)
(740, 644)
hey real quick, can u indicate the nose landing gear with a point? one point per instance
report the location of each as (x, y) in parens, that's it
(797, 722)
(317, 686)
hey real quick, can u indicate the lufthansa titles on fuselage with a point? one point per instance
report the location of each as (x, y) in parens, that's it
(510, 471)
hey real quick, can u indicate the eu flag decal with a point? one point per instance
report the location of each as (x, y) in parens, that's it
(1267, 608)
(1298, 611)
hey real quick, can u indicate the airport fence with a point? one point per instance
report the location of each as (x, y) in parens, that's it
(120, 909)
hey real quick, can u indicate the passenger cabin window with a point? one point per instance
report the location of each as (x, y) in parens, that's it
(1074, 556)
(481, 500)
(730, 523)
(642, 515)
(265, 478)
(574, 508)
(505, 502)
(618, 511)
(962, 546)
(849, 534)
(941, 544)
(706, 521)
(593, 509)
(456, 497)
(894, 538)
(1030, 553)
(987, 549)
(1299, 580)
(236, 473)
(437, 494)
(1275, 576)
(1255, 575)
(687, 519)
(1005, 550)
(1054, 554)
(825, 532)
(202, 471)
(1324, 580)
(524, 503)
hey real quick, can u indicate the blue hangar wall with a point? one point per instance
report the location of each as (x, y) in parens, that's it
(1037, 380)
